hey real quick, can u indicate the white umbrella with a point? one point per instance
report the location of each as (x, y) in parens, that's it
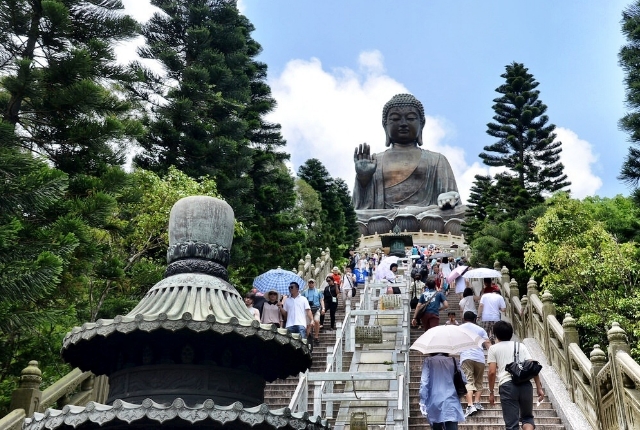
(449, 339)
(482, 272)
(383, 268)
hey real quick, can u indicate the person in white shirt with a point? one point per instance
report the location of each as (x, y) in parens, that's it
(516, 400)
(295, 311)
(468, 302)
(472, 362)
(491, 307)
(248, 300)
(348, 284)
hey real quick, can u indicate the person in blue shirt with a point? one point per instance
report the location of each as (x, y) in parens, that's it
(439, 402)
(317, 308)
(431, 299)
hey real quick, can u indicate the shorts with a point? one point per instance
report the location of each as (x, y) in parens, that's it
(488, 326)
(474, 372)
(316, 317)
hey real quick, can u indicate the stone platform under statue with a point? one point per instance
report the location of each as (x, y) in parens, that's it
(405, 186)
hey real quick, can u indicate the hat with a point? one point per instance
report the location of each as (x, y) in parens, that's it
(311, 280)
(469, 316)
(335, 269)
(491, 289)
(272, 291)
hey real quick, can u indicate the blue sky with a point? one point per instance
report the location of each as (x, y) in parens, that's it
(332, 66)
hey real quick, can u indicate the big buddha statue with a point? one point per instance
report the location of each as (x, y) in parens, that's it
(405, 185)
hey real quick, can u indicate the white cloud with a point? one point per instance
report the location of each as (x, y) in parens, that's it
(326, 114)
(578, 157)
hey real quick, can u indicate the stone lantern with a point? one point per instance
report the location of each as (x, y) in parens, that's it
(189, 354)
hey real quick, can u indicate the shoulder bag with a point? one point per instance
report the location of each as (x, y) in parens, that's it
(522, 372)
(424, 308)
(458, 382)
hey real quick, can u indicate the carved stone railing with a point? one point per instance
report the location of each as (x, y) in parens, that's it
(323, 382)
(74, 388)
(322, 267)
(606, 387)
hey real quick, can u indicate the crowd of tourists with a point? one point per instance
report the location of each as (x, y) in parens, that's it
(481, 314)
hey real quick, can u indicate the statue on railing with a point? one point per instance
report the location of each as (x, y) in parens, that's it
(405, 179)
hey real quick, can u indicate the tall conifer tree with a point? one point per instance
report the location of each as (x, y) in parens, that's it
(526, 145)
(58, 67)
(630, 61)
(210, 121)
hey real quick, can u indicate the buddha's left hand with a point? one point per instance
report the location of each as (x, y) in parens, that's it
(448, 200)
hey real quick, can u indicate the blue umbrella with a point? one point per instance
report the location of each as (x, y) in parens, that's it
(278, 280)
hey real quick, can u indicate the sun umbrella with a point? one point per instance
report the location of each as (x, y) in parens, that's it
(449, 339)
(277, 279)
(482, 272)
(455, 274)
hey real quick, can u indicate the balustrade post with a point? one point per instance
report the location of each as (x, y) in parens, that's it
(532, 287)
(548, 309)
(514, 291)
(496, 265)
(598, 361)
(28, 395)
(618, 342)
(524, 317)
(570, 336)
(505, 280)
(301, 268)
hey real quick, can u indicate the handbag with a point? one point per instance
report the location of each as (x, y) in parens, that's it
(458, 382)
(414, 299)
(522, 372)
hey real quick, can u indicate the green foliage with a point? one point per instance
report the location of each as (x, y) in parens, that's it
(58, 71)
(339, 231)
(629, 57)
(526, 145)
(211, 122)
(589, 273)
(504, 241)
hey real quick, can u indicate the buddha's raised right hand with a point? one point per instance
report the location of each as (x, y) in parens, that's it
(365, 162)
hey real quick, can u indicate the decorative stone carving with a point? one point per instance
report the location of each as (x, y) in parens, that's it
(379, 225)
(431, 223)
(406, 222)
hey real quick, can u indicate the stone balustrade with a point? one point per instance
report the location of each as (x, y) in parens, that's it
(606, 387)
(319, 270)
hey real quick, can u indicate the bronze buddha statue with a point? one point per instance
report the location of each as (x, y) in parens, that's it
(404, 179)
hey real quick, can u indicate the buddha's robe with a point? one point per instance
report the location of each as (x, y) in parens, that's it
(417, 188)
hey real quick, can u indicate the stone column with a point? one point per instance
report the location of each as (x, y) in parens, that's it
(505, 279)
(570, 336)
(28, 395)
(618, 342)
(524, 318)
(548, 309)
(598, 361)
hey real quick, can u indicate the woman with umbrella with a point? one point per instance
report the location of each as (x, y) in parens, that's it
(439, 401)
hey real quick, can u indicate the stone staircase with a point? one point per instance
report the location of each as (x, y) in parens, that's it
(278, 393)
(488, 419)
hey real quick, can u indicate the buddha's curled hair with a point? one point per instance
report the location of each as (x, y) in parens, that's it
(402, 100)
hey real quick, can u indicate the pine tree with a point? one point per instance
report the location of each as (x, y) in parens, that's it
(478, 207)
(211, 122)
(339, 230)
(630, 60)
(526, 145)
(58, 71)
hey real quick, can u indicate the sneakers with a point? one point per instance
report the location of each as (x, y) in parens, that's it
(470, 411)
(478, 407)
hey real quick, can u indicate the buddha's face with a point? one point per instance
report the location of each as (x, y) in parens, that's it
(403, 125)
